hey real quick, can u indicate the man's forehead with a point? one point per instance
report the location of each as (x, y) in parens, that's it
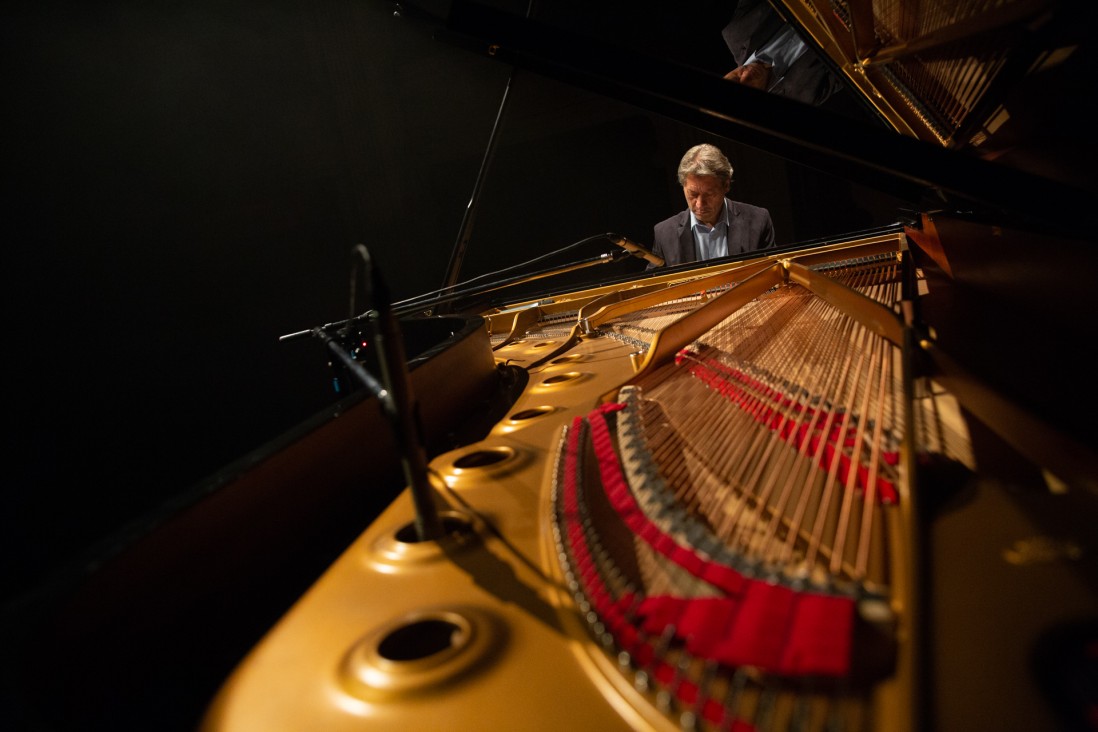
(703, 182)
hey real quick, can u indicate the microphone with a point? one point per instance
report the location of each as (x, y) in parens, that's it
(635, 249)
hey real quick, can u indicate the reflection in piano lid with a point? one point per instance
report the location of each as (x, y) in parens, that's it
(970, 104)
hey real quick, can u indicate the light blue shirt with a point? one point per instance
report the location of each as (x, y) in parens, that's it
(712, 241)
(779, 53)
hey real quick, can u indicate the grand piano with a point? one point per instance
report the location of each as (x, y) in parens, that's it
(846, 484)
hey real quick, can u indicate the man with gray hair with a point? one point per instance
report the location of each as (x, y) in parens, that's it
(713, 225)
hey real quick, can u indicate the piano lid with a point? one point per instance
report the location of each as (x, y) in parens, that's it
(960, 94)
(938, 70)
(1000, 79)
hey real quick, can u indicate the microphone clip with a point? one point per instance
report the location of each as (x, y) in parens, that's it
(635, 249)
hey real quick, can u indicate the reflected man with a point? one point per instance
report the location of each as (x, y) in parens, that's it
(771, 56)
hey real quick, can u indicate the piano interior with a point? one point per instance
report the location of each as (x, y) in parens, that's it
(763, 494)
(845, 485)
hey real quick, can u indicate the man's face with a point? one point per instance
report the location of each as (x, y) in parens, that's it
(705, 196)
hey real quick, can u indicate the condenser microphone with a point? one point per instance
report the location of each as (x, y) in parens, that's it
(635, 249)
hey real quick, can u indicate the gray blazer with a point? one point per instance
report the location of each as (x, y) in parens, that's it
(749, 228)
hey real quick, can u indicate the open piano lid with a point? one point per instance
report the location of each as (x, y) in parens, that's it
(971, 105)
(935, 70)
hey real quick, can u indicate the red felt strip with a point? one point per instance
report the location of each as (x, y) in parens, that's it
(819, 636)
(617, 489)
(757, 637)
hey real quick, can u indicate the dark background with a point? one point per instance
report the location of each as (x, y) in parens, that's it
(184, 183)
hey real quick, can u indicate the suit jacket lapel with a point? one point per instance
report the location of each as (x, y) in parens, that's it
(735, 245)
(687, 244)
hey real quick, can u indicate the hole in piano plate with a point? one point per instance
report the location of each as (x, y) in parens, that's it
(421, 639)
(401, 548)
(563, 378)
(570, 358)
(452, 527)
(527, 414)
(481, 459)
(484, 463)
(420, 650)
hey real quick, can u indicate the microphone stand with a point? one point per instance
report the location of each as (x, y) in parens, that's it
(394, 391)
(395, 395)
